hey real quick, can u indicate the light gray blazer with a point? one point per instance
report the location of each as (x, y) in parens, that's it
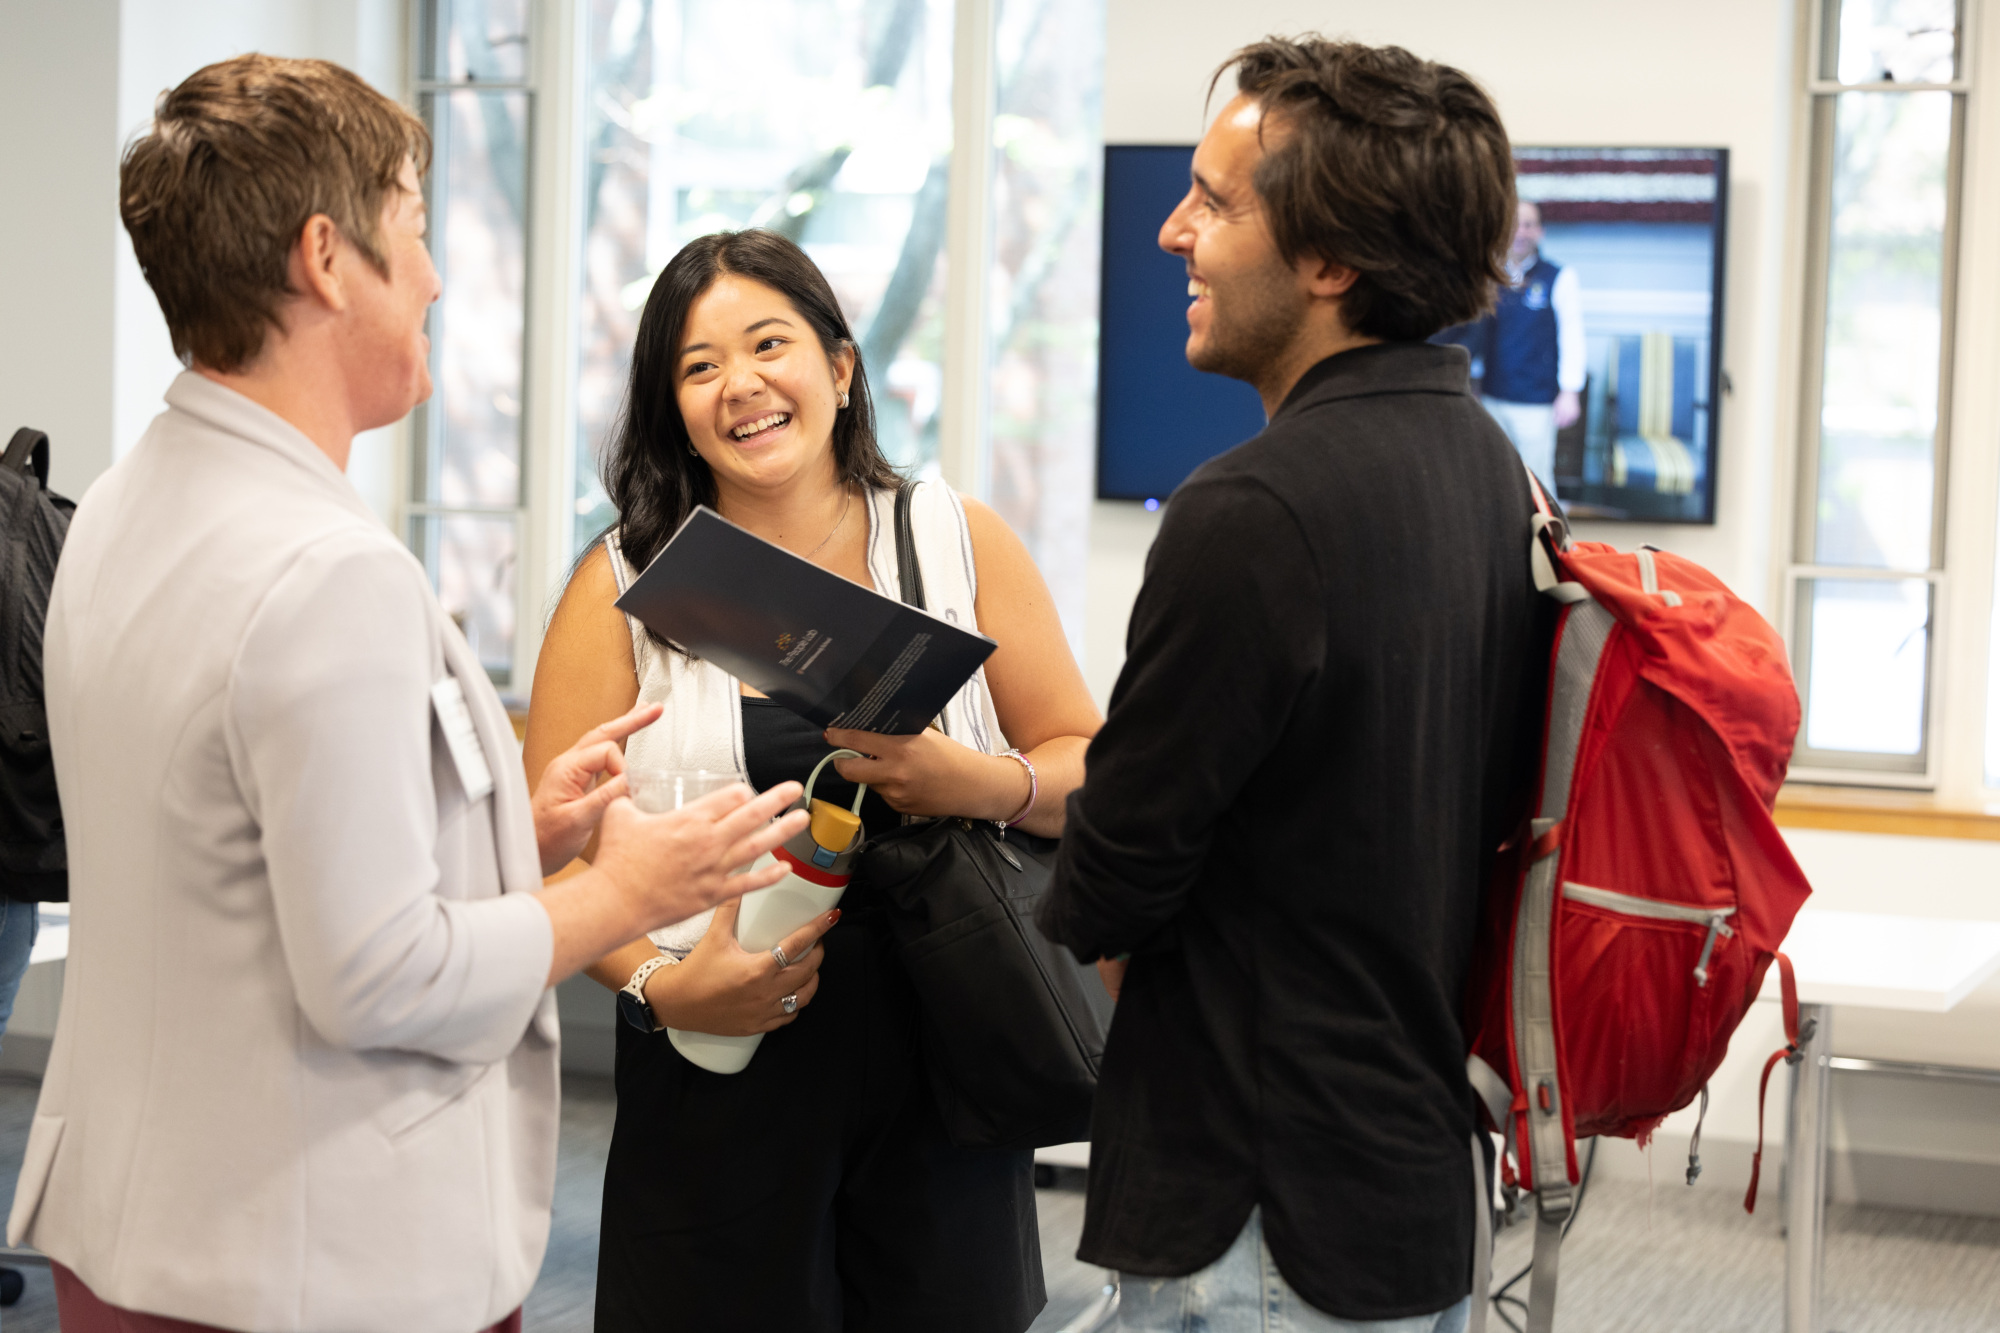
(304, 1076)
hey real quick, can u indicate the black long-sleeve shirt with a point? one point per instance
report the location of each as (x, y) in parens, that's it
(1333, 677)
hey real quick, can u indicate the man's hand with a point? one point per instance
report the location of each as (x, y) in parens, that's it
(672, 866)
(570, 798)
(1111, 971)
(1568, 408)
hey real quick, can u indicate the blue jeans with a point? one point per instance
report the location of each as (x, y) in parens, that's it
(1243, 1292)
(19, 923)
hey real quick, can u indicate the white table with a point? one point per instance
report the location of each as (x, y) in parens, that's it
(1914, 964)
(51, 935)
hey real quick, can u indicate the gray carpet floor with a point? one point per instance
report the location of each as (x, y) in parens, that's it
(1661, 1260)
(1669, 1259)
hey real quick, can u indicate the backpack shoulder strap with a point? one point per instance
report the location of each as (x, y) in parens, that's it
(1547, 545)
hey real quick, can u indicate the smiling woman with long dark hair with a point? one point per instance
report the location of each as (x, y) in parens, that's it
(816, 1190)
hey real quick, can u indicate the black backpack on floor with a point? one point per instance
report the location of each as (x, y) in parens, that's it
(34, 866)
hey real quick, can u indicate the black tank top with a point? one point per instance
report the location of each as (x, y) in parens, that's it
(780, 746)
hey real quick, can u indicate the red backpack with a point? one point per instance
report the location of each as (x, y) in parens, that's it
(1631, 922)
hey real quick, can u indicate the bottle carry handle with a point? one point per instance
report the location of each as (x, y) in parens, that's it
(859, 795)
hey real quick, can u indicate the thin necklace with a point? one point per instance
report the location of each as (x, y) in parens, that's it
(845, 506)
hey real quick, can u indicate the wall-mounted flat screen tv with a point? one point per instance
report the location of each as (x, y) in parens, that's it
(1158, 418)
(1602, 359)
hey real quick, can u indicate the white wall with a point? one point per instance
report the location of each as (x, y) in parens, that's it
(59, 228)
(84, 353)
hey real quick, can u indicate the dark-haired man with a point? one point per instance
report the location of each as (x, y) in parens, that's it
(1314, 745)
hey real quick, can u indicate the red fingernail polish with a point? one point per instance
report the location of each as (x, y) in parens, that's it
(833, 916)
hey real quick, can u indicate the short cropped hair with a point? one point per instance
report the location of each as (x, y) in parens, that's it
(1388, 164)
(240, 156)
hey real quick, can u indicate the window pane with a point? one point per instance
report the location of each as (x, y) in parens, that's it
(1898, 41)
(473, 40)
(470, 436)
(1884, 309)
(841, 141)
(1868, 654)
(472, 558)
(1048, 165)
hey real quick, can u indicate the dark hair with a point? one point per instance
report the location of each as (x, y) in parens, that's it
(651, 472)
(241, 154)
(1394, 166)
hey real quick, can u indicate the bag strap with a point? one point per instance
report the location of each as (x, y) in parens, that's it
(28, 449)
(1547, 545)
(1482, 1236)
(1792, 1052)
(1545, 507)
(908, 570)
(1548, 1250)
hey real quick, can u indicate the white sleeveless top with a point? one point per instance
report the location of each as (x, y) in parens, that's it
(702, 726)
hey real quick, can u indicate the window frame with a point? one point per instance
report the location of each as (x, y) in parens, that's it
(556, 83)
(416, 506)
(1953, 433)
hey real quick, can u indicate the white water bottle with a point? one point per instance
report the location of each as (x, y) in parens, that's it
(819, 861)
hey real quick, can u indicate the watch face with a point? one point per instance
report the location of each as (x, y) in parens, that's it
(635, 1011)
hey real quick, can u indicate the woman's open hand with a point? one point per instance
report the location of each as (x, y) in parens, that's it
(569, 800)
(931, 774)
(724, 989)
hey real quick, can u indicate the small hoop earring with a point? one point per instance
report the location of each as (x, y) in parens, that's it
(843, 400)
(692, 451)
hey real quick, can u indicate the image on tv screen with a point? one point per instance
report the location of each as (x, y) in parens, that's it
(1601, 360)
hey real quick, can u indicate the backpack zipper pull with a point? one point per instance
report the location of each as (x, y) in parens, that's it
(1718, 924)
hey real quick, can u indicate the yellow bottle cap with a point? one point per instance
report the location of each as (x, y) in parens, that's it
(834, 827)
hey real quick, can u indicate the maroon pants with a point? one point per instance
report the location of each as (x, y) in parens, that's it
(80, 1311)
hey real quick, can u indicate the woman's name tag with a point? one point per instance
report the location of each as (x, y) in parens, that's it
(461, 738)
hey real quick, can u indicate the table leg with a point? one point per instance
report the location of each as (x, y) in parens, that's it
(1805, 1173)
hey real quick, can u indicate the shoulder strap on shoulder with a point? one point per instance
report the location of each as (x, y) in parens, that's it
(908, 569)
(1547, 545)
(614, 553)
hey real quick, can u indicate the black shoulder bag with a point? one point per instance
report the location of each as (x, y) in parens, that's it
(1013, 1029)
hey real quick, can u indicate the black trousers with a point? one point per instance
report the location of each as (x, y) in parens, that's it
(815, 1192)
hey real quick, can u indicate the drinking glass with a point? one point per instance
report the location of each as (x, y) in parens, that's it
(659, 790)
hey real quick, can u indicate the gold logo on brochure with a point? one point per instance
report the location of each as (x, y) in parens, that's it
(784, 642)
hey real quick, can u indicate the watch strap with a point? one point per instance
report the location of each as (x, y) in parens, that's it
(632, 996)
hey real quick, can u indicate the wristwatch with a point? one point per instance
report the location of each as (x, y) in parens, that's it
(632, 998)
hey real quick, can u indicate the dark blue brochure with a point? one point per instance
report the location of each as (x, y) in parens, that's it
(832, 651)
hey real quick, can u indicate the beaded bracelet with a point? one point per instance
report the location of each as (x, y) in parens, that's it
(1034, 790)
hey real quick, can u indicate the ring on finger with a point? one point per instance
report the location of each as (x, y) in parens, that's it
(790, 1004)
(778, 952)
